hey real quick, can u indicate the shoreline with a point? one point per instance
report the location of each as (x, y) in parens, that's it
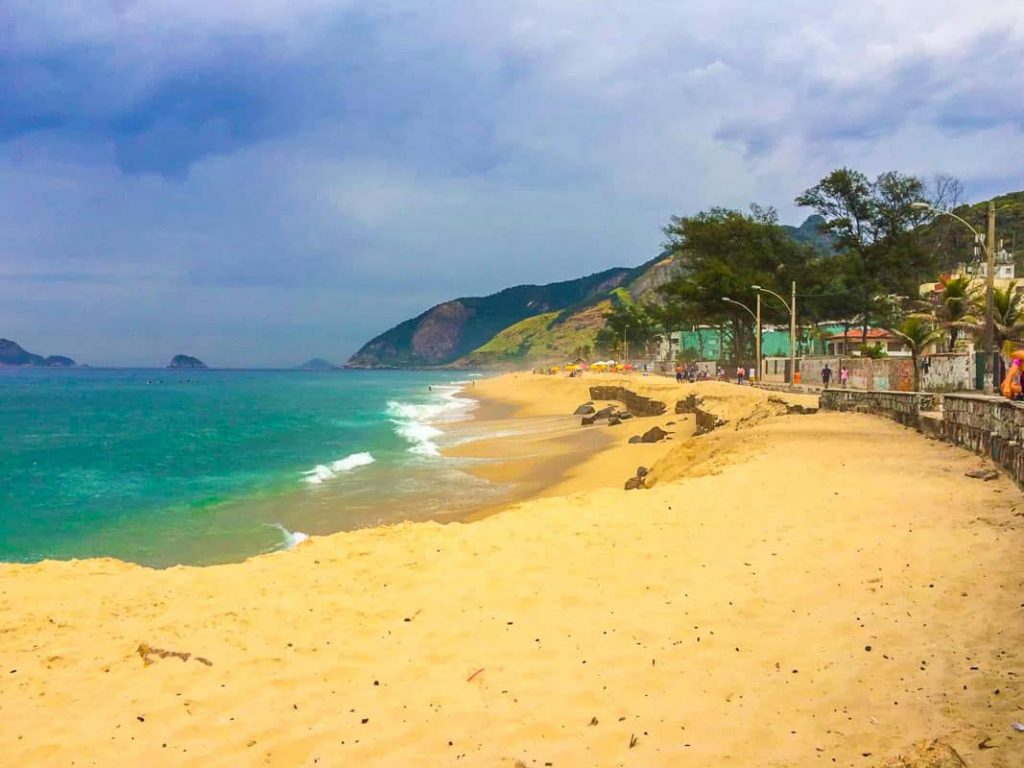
(561, 457)
(791, 590)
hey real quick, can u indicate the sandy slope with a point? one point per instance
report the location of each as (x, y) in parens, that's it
(825, 590)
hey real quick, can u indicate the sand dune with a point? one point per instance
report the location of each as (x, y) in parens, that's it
(802, 590)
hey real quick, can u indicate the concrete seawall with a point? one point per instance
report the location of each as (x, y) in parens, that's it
(636, 404)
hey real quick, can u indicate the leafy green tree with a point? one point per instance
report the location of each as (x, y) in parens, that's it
(628, 328)
(722, 253)
(873, 224)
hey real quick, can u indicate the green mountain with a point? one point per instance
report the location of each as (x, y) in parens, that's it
(952, 243)
(810, 232)
(12, 353)
(450, 331)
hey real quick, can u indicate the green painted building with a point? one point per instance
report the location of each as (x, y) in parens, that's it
(707, 343)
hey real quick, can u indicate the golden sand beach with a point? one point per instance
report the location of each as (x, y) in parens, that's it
(794, 590)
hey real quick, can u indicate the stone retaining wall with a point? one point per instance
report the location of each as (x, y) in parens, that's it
(903, 407)
(636, 404)
(990, 426)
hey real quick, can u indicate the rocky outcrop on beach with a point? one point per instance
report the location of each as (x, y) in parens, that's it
(611, 414)
(13, 354)
(185, 361)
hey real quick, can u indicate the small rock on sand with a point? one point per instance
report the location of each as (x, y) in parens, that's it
(653, 435)
(983, 474)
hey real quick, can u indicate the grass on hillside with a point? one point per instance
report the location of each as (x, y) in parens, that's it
(542, 338)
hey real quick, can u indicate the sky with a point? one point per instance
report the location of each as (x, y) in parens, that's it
(257, 182)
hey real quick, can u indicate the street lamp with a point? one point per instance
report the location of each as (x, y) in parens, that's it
(791, 306)
(990, 268)
(757, 321)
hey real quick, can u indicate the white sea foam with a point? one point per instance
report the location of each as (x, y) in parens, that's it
(322, 472)
(421, 436)
(353, 461)
(291, 538)
(416, 422)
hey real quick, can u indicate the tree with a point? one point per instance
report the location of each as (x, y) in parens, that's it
(919, 333)
(722, 253)
(873, 223)
(1008, 311)
(627, 326)
(957, 307)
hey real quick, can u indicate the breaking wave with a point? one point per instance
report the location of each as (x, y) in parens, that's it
(416, 422)
(322, 472)
(291, 538)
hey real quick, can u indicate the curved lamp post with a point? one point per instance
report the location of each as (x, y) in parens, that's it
(791, 306)
(757, 321)
(990, 268)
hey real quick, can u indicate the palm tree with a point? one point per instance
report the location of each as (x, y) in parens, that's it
(957, 306)
(919, 333)
(1008, 313)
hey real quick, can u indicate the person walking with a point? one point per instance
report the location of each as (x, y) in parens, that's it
(844, 376)
(826, 375)
(740, 373)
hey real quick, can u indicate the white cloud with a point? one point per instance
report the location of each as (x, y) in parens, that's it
(409, 152)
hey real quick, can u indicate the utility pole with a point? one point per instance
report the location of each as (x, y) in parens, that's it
(989, 301)
(792, 335)
(758, 355)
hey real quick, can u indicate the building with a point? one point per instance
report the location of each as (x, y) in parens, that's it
(1004, 275)
(707, 342)
(840, 344)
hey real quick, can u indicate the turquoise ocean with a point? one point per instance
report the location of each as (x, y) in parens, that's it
(163, 467)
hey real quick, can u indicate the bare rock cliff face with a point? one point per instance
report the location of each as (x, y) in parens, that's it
(440, 332)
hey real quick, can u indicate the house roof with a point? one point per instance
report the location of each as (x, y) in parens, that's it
(857, 334)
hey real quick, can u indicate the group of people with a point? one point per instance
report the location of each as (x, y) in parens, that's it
(742, 374)
(826, 376)
(694, 373)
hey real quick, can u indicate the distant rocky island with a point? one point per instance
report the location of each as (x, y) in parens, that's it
(318, 364)
(185, 361)
(12, 353)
